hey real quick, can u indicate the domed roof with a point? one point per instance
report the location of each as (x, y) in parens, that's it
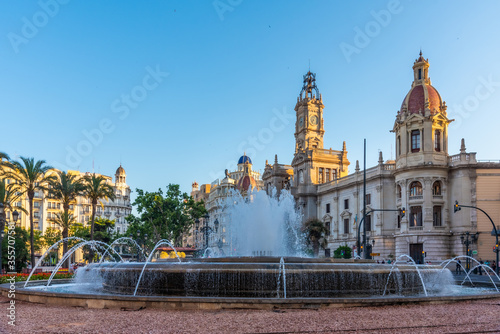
(422, 94)
(120, 171)
(244, 158)
(245, 182)
(415, 100)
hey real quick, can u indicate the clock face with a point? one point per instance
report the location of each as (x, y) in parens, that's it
(301, 121)
(314, 120)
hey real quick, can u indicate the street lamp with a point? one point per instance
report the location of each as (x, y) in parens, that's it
(360, 245)
(468, 241)
(458, 207)
(207, 229)
(15, 216)
(141, 242)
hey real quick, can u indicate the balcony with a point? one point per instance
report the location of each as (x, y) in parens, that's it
(416, 198)
(416, 228)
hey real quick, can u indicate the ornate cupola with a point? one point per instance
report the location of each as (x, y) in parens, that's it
(421, 125)
(120, 176)
(309, 110)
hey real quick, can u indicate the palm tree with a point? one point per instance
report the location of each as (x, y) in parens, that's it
(65, 188)
(8, 196)
(316, 232)
(96, 189)
(30, 176)
(64, 220)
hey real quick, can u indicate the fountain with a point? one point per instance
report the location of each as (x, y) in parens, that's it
(267, 268)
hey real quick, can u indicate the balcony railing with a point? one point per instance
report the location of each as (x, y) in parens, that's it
(416, 197)
(416, 228)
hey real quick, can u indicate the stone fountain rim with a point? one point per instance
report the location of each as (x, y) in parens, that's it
(101, 301)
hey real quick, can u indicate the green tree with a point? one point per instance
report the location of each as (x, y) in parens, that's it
(96, 189)
(164, 215)
(8, 196)
(50, 237)
(21, 249)
(103, 231)
(65, 188)
(39, 242)
(343, 252)
(31, 176)
(315, 232)
(64, 220)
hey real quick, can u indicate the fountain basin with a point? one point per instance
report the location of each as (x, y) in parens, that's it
(262, 277)
(40, 294)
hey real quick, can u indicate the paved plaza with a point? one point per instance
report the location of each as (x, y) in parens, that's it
(481, 316)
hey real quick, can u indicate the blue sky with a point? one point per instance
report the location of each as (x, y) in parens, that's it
(177, 90)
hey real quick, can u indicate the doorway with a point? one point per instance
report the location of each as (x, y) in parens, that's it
(416, 252)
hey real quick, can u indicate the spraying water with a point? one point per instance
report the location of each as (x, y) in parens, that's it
(93, 244)
(282, 273)
(158, 244)
(47, 252)
(122, 240)
(263, 225)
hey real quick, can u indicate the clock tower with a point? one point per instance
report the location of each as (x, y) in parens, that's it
(313, 164)
(309, 110)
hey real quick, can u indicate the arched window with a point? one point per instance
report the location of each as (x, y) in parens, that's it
(436, 188)
(415, 189)
(398, 192)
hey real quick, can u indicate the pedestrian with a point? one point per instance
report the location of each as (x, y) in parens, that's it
(494, 266)
(458, 269)
(383, 262)
(481, 262)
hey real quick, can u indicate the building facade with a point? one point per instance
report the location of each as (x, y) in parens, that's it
(424, 181)
(212, 231)
(45, 207)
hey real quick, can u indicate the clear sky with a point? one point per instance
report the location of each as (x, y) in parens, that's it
(176, 91)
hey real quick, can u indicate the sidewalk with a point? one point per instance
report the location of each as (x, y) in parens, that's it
(478, 280)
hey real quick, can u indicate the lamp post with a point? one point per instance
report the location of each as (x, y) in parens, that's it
(358, 242)
(207, 229)
(15, 216)
(458, 207)
(141, 242)
(468, 239)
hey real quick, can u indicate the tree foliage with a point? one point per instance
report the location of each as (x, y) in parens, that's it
(103, 231)
(30, 176)
(164, 215)
(316, 231)
(21, 249)
(343, 252)
(96, 189)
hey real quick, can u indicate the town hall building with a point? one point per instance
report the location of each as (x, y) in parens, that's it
(424, 181)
